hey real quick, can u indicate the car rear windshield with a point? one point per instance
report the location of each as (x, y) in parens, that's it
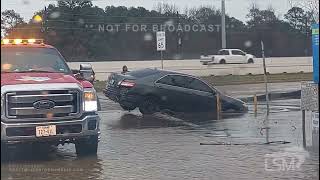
(142, 73)
(22, 59)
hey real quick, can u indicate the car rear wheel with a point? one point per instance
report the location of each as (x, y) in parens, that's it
(87, 147)
(222, 61)
(250, 61)
(150, 105)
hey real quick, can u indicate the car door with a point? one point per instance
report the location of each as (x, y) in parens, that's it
(173, 92)
(238, 56)
(203, 96)
(224, 55)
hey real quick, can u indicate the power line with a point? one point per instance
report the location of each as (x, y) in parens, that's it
(106, 16)
(104, 22)
(95, 22)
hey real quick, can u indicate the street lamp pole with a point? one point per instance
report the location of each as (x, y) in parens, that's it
(223, 24)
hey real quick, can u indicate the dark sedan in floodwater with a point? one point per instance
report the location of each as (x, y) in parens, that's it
(153, 90)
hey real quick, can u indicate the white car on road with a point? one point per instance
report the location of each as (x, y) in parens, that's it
(227, 56)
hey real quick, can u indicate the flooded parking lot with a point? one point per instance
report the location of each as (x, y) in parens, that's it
(163, 147)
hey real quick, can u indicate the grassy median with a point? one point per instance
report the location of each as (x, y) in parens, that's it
(242, 79)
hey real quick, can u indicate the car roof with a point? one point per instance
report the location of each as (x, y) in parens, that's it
(149, 71)
(168, 72)
(161, 73)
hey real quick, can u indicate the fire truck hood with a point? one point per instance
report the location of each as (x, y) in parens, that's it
(40, 78)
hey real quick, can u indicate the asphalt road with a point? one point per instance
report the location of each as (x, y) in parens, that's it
(194, 67)
(163, 147)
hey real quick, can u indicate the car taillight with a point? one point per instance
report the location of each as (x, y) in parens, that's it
(126, 83)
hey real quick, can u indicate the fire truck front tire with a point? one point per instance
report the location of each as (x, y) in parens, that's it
(87, 147)
(4, 151)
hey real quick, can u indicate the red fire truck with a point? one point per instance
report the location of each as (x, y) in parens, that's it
(42, 101)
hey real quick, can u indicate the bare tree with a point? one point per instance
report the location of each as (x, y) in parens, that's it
(311, 6)
(165, 8)
(9, 20)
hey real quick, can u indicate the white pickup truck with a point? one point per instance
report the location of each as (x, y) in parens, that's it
(227, 56)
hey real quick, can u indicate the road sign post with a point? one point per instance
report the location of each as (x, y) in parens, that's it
(161, 44)
(265, 77)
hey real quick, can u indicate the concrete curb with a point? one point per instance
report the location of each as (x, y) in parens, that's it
(275, 95)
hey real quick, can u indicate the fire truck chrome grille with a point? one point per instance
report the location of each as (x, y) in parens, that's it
(42, 104)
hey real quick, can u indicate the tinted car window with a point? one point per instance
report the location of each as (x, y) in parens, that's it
(176, 80)
(166, 80)
(236, 52)
(185, 82)
(200, 86)
(181, 81)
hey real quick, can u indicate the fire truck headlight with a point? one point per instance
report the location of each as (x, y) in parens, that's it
(90, 103)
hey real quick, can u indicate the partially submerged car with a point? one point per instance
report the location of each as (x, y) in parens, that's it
(153, 90)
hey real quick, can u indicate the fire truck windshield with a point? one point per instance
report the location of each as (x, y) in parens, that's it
(32, 59)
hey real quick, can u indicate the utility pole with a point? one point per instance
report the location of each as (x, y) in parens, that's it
(179, 38)
(43, 27)
(223, 24)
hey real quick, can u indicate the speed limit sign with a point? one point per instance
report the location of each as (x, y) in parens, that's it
(161, 41)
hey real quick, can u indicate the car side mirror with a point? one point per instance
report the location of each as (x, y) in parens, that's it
(86, 72)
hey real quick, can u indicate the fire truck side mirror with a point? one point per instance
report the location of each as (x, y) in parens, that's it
(86, 72)
(75, 71)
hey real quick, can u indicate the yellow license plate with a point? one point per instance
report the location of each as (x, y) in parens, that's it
(44, 131)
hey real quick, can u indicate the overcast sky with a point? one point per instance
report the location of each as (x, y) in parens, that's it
(235, 8)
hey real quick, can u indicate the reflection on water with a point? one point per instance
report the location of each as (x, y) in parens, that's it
(58, 163)
(128, 121)
(164, 147)
(158, 120)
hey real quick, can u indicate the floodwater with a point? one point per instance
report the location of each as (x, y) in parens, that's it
(163, 147)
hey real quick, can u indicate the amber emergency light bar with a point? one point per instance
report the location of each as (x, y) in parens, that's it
(21, 41)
